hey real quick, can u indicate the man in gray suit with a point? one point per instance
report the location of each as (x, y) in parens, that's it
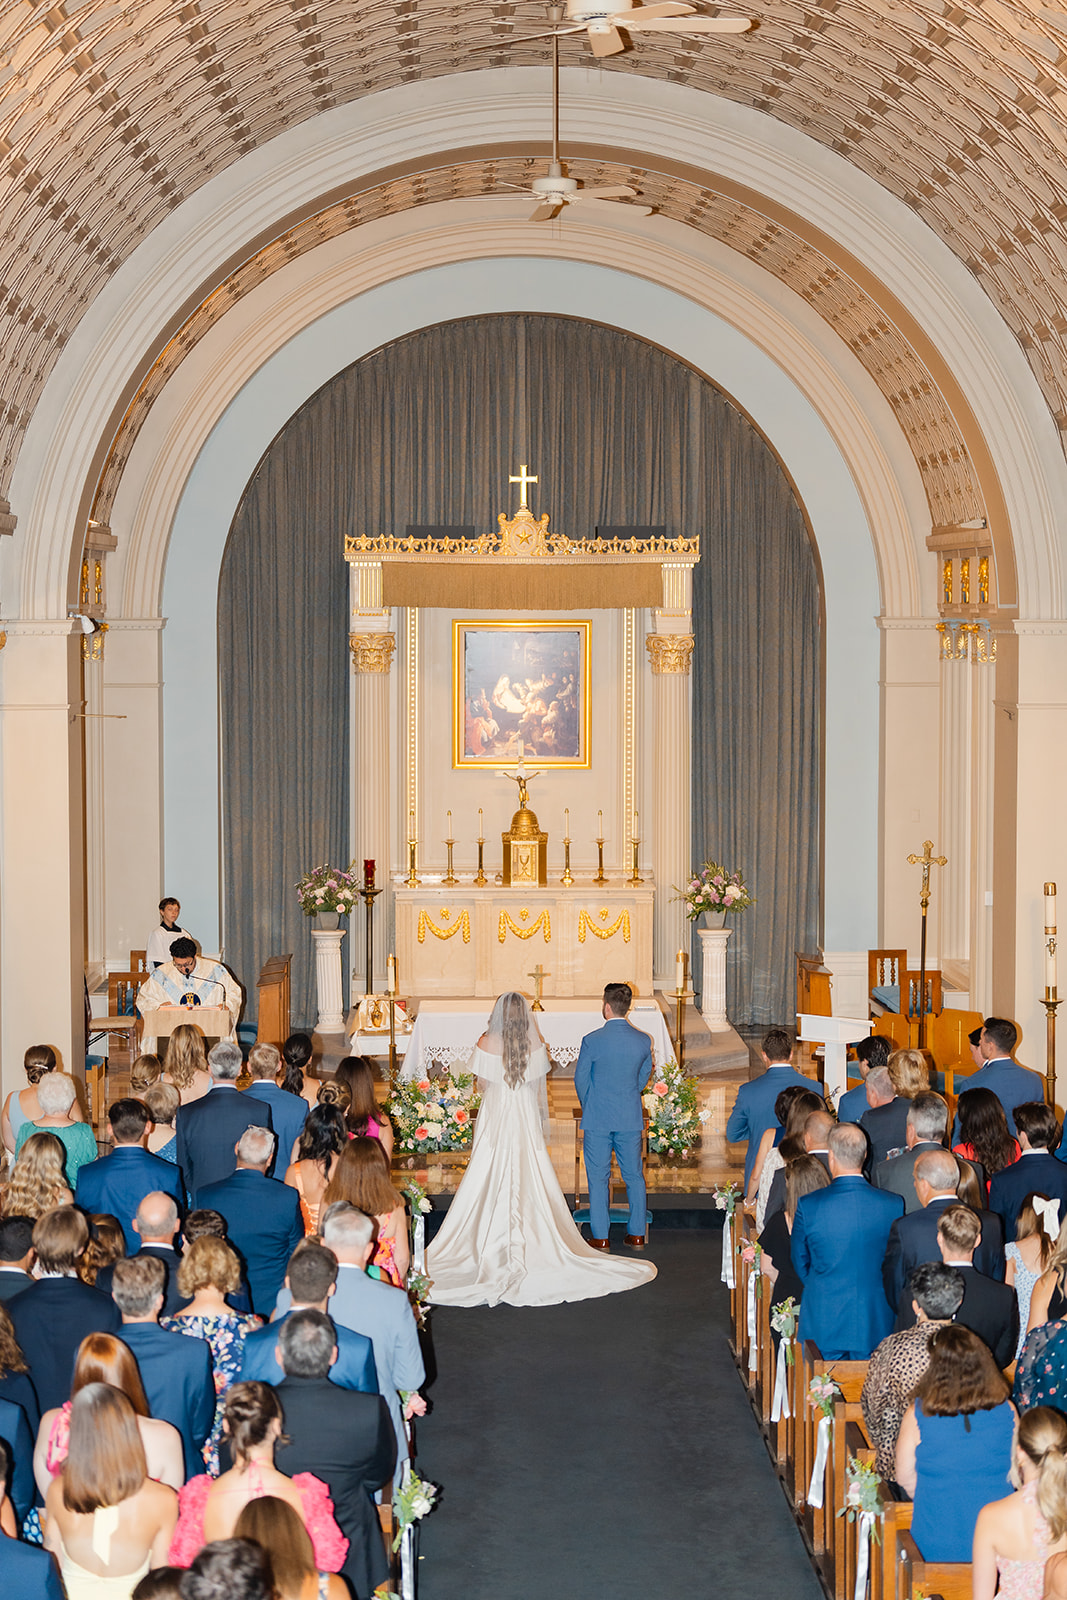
(927, 1125)
(377, 1310)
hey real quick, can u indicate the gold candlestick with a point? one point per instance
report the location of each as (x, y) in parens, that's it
(450, 878)
(412, 879)
(635, 876)
(1050, 1003)
(481, 880)
(600, 878)
(568, 877)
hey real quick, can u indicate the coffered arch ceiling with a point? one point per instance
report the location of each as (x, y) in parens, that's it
(111, 116)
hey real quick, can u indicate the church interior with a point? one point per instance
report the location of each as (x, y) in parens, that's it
(309, 394)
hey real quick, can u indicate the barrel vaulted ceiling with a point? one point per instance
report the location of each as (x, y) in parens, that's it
(112, 115)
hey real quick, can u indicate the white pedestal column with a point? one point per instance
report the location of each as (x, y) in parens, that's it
(670, 655)
(713, 966)
(372, 656)
(331, 1018)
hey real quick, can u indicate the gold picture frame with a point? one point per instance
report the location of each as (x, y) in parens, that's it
(521, 689)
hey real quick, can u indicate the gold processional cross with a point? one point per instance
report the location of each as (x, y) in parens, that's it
(538, 975)
(926, 860)
(522, 480)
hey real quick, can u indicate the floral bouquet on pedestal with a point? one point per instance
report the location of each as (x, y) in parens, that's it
(327, 889)
(429, 1115)
(713, 889)
(674, 1123)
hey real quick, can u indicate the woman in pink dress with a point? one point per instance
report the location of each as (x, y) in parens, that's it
(209, 1507)
(1013, 1538)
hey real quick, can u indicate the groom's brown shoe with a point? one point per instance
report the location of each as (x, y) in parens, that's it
(600, 1244)
(634, 1241)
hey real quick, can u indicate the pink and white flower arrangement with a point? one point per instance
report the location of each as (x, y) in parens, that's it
(327, 888)
(434, 1115)
(674, 1121)
(714, 889)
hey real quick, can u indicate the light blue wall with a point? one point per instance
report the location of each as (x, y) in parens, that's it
(192, 781)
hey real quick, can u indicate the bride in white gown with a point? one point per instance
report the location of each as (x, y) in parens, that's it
(508, 1235)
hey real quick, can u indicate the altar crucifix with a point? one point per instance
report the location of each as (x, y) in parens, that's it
(538, 975)
(523, 481)
(927, 860)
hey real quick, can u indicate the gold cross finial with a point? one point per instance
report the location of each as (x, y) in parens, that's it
(927, 861)
(522, 480)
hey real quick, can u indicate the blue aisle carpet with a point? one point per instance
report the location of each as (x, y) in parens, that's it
(603, 1450)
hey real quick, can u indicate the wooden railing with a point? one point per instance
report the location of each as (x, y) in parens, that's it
(896, 1568)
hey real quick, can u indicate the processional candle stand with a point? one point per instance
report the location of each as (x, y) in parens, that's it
(926, 861)
(1051, 1000)
(369, 893)
(680, 998)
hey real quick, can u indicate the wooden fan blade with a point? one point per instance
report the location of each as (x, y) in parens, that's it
(664, 8)
(608, 191)
(606, 44)
(544, 213)
(690, 25)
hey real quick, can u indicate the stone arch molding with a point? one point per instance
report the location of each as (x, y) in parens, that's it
(1012, 437)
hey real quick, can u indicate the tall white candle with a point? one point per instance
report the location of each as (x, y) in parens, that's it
(1050, 937)
(600, 824)
(481, 828)
(448, 840)
(566, 824)
(411, 827)
(390, 967)
(679, 972)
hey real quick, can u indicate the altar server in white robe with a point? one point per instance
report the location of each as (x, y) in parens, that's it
(157, 947)
(190, 981)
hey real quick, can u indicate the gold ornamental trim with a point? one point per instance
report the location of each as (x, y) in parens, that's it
(522, 537)
(587, 925)
(462, 926)
(543, 922)
(967, 641)
(372, 652)
(669, 652)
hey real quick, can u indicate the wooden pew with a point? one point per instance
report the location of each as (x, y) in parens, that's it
(820, 1522)
(950, 1579)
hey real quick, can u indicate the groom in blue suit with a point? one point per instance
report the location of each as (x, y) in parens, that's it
(614, 1065)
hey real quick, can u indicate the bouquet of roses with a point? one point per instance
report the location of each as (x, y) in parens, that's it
(327, 889)
(714, 889)
(674, 1122)
(429, 1115)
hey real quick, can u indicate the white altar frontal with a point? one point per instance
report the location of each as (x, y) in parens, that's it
(470, 941)
(446, 1031)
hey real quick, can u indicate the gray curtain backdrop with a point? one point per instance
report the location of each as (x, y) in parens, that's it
(427, 431)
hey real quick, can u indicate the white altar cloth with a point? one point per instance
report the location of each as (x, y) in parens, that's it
(448, 1030)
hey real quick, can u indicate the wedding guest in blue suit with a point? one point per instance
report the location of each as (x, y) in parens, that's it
(870, 1053)
(155, 1228)
(117, 1183)
(288, 1112)
(53, 1316)
(913, 1240)
(311, 1281)
(614, 1065)
(264, 1222)
(209, 1128)
(1011, 1083)
(1037, 1170)
(26, 1571)
(175, 1367)
(839, 1239)
(753, 1111)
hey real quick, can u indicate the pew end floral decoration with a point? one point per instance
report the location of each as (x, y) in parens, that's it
(327, 889)
(863, 1495)
(670, 1100)
(714, 889)
(823, 1394)
(429, 1114)
(784, 1322)
(413, 1501)
(726, 1197)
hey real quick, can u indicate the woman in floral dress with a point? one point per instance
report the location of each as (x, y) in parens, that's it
(208, 1273)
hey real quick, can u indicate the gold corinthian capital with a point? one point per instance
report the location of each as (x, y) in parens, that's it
(669, 652)
(372, 652)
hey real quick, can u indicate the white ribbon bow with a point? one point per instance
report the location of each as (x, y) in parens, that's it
(818, 1471)
(418, 1248)
(863, 1552)
(1049, 1212)
(780, 1406)
(727, 1275)
(753, 1351)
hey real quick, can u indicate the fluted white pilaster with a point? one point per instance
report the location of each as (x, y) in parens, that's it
(670, 655)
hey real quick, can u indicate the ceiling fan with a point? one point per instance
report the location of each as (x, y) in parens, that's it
(556, 190)
(602, 19)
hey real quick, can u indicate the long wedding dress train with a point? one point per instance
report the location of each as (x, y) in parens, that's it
(509, 1235)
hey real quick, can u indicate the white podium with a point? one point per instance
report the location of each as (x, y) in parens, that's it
(331, 1017)
(836, 1033)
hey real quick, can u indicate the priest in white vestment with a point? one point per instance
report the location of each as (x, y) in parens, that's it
(191, 981)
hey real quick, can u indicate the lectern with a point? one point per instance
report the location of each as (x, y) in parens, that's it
(836, 1033)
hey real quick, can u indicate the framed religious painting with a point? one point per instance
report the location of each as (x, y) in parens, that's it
(520, 690)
